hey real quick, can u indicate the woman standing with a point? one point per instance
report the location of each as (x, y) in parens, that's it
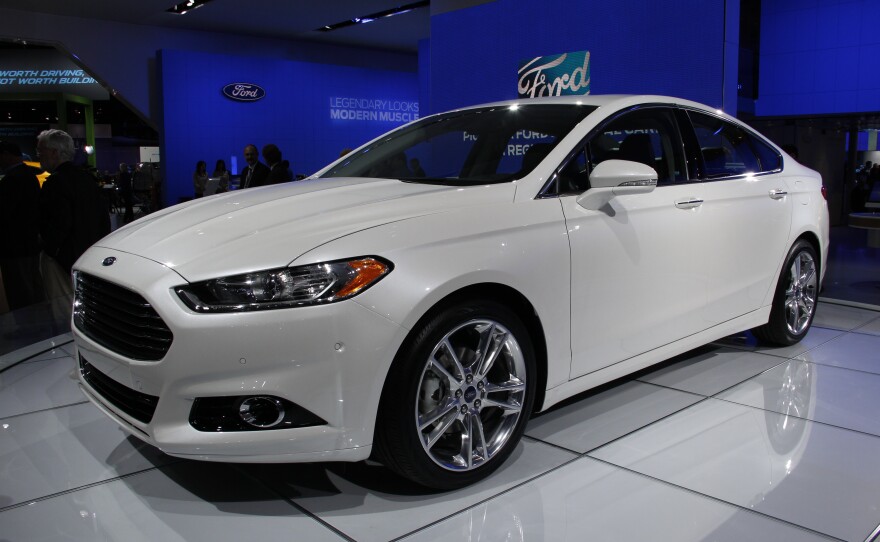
(200, 178)
(222, 174)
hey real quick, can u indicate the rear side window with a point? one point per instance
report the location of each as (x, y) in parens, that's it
(729, 150)
(768, 157)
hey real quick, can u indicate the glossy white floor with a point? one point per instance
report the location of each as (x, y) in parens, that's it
(729, 442)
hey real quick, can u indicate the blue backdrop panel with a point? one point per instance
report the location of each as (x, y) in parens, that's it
(297, 112)
(819, 57)
(637, 46)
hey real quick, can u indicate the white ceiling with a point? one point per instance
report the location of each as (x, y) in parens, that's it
(291, 19)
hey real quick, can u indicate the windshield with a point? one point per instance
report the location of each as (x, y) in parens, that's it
(476, 146)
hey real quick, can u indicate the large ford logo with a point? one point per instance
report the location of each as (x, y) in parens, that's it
(244, 92)
(108, 261)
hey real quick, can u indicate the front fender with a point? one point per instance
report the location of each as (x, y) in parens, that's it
(523, 246)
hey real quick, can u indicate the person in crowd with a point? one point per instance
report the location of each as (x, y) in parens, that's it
(861, 187)
(221, 173)
(73, 211)
(200, 178)
(279, 169)
(863, 173)
(255, 173)
(124, 184)
(19, 229)
(285, 166)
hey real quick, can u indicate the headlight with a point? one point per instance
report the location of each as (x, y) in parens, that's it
(285, 287)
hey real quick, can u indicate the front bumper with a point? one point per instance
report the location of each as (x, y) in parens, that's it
(329, 359)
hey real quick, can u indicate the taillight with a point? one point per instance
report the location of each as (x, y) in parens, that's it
(824, 193)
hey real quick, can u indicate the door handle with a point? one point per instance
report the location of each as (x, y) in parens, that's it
(688, 203)
(778, 194)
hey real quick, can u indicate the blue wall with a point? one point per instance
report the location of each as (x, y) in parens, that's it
(671, 47)
(125, 59)
(200, 123)
(819, 57)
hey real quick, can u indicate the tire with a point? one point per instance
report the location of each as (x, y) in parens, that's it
(449, 416)
(794, 302)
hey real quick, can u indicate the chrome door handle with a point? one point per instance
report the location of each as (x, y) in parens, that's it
(778, 194)
(688, 203)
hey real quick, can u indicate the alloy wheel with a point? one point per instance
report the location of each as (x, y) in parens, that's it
(800, 295)
(471, 394)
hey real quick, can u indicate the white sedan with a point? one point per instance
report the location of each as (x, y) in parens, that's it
(417, 300)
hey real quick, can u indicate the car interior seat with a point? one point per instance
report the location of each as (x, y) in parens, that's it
(638, 148)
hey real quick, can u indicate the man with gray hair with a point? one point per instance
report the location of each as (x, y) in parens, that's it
(255, 172)
(73, 212)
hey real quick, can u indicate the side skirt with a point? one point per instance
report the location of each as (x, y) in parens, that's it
(639, 362)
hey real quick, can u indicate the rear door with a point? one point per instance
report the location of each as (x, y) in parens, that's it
(746, 207)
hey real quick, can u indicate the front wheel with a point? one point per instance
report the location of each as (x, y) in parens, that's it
(458, 396)
(794, 302)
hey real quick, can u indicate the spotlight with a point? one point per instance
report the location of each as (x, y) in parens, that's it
(374, 16)
(188, 5)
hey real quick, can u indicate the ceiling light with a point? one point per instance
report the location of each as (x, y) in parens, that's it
(186, 6)
(374, 16)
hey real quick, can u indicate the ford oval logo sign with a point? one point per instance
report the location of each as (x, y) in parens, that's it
(244, 92)
(108, 261)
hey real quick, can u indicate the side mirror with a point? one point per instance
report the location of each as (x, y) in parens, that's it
(617, 178)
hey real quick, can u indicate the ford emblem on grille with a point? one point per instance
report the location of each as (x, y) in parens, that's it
(108, 261)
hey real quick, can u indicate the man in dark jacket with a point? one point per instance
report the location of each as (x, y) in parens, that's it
(279, 170)
(19, 229)
(255, 173)
(73, 211)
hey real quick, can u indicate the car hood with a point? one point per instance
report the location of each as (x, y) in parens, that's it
(262, 228)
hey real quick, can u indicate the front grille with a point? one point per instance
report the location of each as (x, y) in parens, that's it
(119, 319)
(139, 406)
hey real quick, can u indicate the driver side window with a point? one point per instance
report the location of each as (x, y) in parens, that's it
(647, 136)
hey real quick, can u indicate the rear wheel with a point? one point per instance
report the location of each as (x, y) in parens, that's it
(794, 302)
(458, 396)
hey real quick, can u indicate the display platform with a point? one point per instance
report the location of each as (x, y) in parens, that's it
(870, 222)
(729, 442)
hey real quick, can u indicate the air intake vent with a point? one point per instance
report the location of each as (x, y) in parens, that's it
(139, 406)
(119, 319)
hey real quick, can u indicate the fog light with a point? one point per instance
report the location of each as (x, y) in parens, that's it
(249, 413)
(262, 412)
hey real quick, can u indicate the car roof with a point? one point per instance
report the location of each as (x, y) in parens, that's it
(613, 101)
